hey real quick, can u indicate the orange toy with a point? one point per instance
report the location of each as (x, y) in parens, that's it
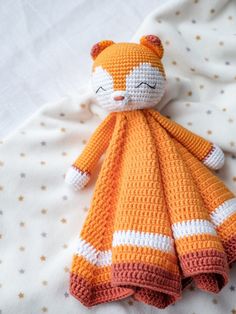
(159, 218)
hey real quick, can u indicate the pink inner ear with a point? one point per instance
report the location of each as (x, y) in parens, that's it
(153, 42)
(154, 39)
(95, 51)
(99, 47)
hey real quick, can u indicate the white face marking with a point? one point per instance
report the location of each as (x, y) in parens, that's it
(145, 86)
(102, 83)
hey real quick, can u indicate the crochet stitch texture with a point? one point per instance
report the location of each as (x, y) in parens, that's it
(159, 218)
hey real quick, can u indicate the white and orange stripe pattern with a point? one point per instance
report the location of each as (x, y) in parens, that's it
(192, 227)
(152, 227)
(224, 212)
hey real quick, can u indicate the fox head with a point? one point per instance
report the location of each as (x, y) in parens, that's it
(128, 76)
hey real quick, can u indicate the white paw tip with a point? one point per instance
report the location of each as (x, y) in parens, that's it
(215, 159)
(76, 178)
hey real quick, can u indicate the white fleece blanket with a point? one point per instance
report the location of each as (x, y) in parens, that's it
(40, 217)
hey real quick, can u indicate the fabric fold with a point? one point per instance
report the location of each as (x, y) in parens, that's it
(153, 225)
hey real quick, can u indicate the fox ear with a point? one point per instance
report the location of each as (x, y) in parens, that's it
(99, 47)
(154, 43)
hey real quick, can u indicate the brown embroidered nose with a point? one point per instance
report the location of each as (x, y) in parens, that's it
(119, 98)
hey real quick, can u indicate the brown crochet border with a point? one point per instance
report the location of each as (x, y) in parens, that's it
(230, 249)
(208, 268)
(147, 283)
(146, 276)
(89, 294)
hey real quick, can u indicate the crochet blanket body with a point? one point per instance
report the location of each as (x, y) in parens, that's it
(159, 218)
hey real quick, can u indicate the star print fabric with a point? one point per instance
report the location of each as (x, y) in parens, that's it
(41, 218)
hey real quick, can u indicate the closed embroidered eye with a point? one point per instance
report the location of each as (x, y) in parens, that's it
(100, 88)
(144, 83)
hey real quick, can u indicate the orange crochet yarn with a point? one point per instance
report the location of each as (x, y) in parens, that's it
(159, 218)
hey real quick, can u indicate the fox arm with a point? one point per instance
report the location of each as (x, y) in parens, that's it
(210, 154)
(79, 173)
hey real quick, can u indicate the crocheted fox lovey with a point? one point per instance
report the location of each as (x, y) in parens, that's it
(159, 218)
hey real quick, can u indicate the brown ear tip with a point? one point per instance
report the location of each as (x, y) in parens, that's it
(152, 39)
(99, 47)
(95, 51)
(153, 42)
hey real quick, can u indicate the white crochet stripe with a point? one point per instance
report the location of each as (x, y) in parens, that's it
(92, 255)
(223, 212)
(192, 227)
(76, 178)
(143, 239)
(215, 159)
(133, 238)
